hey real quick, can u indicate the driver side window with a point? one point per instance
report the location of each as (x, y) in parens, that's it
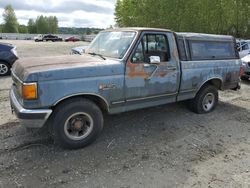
(151, 46)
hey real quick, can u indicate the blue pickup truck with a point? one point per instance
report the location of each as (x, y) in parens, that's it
(121, 70)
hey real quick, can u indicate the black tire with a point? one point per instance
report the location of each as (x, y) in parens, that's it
(4, 68)
(75, 110)
(207, 93)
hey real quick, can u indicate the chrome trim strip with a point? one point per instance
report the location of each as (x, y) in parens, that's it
(151, 97)
(118, 102)
(79, 94)
(187, 91)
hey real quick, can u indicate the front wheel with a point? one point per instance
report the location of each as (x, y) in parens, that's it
(205, 100)
(4, 68)
(77, 123)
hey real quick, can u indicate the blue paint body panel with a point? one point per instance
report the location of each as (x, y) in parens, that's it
(120, 84)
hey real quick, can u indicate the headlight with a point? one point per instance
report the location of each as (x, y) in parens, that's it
(13, 50)
(29, 91)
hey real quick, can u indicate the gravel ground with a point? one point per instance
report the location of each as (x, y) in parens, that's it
(166, 146)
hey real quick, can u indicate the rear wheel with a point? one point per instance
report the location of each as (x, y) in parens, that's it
(4, 68)
(77, 123)
(206, 100)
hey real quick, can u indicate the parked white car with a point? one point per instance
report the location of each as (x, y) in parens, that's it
(243, 47)
(38, 38)
(246, 67)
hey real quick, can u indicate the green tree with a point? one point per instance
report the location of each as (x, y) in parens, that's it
(206, 16)
(1, 28)
(52, 24)
(22, 29)
(32, 26)
(42, 25)
(46, 24)
(10, 20)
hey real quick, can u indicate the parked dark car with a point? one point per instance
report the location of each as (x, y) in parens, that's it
(47, 37)
(72, 39)
(8, 56)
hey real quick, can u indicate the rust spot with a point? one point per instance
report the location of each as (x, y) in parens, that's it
(136, 70)
(162, 73)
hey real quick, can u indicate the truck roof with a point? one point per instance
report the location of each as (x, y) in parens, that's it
(192, 36)
(201, 36)
(138, 29)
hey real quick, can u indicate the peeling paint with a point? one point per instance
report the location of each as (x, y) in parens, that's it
(136, 70)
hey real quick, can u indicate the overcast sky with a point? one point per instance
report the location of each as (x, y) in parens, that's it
(70, 13)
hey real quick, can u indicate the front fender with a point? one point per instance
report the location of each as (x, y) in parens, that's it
(51, 93)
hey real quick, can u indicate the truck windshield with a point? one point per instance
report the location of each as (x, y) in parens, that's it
(112, 44)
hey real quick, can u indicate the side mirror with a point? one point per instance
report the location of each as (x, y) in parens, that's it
(155, 59)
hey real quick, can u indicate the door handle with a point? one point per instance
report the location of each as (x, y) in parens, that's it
(171, 68)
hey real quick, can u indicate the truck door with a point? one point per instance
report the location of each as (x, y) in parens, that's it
(152, 70)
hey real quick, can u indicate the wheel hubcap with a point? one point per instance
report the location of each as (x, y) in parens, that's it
(78, 126)
(208, 102)
(3, 69)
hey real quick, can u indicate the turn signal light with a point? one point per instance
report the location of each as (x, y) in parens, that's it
(29, 91)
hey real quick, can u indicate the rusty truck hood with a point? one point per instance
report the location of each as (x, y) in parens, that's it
(64, 67)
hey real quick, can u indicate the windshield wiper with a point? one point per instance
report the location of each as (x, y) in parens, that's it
(92, 53)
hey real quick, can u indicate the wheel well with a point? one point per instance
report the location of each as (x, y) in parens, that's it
(8, 64)
(96, 99)
(215, 82)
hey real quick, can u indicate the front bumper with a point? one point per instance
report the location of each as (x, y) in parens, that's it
(32, 118)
